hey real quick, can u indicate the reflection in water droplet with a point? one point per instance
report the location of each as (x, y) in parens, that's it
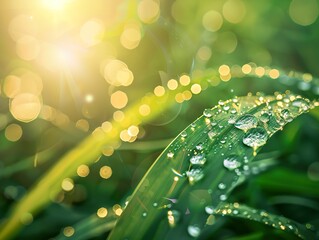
(170, 155)
(193, 230)
(212, 134)
(222, 197)
(184, 134)
(265, 117)
(246, 122)
(208, 113)
(198, 159)
(300, 103)
(231, 162)
(255, 137)
(221, 186)
(209, 209)
(194, 175)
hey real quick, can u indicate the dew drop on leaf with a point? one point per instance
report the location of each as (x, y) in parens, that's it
(255, 137)
(198, 159)
(265, 117)
(208, 113)
(209, 209)
(193, 230)
(300, 103)
(231, 162)
(221, 186)
(170, 155)
(246, 122)
(194, 175)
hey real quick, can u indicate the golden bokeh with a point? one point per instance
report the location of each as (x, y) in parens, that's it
(184, 80)
(92, 31)
(117, 73)
(25, 107)
(68, 231)
(212, 21)
(144, 110)
(148, 11)
(196, 88)
(13, 132)
(119, 99)
(102, 212)
(131, 36)
(105, 172)
(67, 184)
(21, 26)
(83, 125)
(234, 11)
(159, 91)
(83, 170)
(172, 84)
(28, 48)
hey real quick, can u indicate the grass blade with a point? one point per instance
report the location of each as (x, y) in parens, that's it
(279, 222)
(200, 168)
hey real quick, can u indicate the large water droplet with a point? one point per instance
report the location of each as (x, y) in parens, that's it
(255, 137)
(265, 117)
(246, 122)
(198, 159)
(285, 113)
(184, 134)
(193, 230)
(212, 134)
(209, 209)
(170, 155)
(231, 162)
(301, 103)
(208, 112)
(194, 175)
(221, 186)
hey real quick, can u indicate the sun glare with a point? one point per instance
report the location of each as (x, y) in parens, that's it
(55, 4)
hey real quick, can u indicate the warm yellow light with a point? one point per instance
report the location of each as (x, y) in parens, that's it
(118, 116)
(148, 11)
(25, 107)
(108, 151)
(304, 12)
(102, 212)
(184, 80)
(13, 132)
(92, 32)
(133, 131)
(125, 137)
(172, 84)
(83, 125)
(83, 170)
(204, 53)
(144, 110)
(117, 73)
(260, 71)
(224, 70)
(246, 69)
(119, 99)
(22, 25)
(179, 98)
(68, 231)
(234, 11)
(274, 73)
(27, 48)
(212, 21)
(105, 172)
(159, 91)
(131, 36)
(67, 184)
(196, 88)
(107, 126)
(55, 4)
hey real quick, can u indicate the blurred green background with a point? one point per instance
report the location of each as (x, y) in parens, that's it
(58, 84)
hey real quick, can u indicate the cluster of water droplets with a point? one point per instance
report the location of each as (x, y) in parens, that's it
(242, 211)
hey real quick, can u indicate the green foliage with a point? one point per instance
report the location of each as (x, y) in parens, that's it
(261, 55)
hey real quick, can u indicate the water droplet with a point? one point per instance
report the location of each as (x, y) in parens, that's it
(198, 159)
(184, 134)
(221, 186)
(235, 212)
(301, 103)
(232, 119)
(246, 122)
(255, 137)
(209, 209)
(221, 102)
(194, 175)
(170, 155)
(212, 134)
(231, 162)
(193, 230)
(265, 117)
(222, 197)
(208, 113)
(226, 108)
(200, 146)
(155, 204)
(144, 214)
(285, 113)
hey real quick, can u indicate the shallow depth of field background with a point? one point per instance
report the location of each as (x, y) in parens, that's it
(69, 66)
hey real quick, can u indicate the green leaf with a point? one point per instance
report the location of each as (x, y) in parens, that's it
(201, 167)
(279, 222)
